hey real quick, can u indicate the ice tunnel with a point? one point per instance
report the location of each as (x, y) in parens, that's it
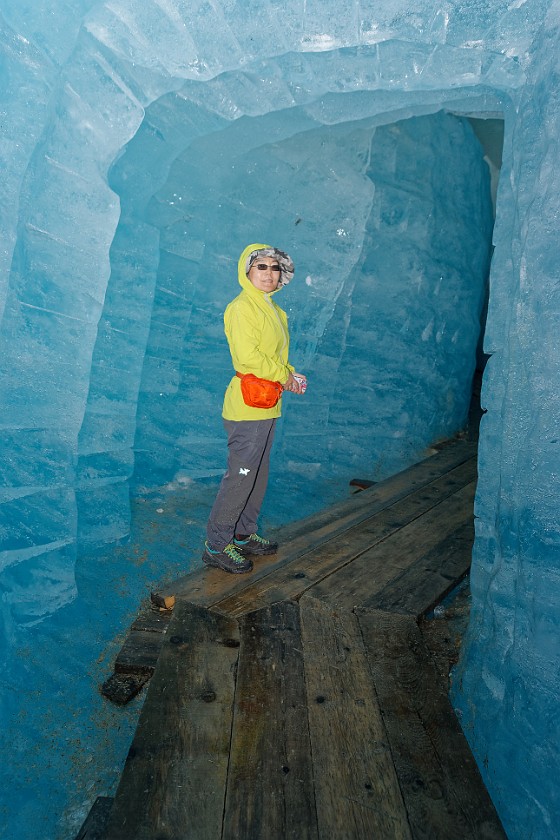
(143, 146)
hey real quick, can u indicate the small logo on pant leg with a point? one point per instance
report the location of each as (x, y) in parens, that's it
(244, 470)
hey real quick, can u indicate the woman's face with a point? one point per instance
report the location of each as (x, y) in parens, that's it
(264, 274)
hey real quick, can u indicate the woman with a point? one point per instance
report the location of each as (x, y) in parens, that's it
(257, 333)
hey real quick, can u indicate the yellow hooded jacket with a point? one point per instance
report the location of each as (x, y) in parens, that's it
(258, 338)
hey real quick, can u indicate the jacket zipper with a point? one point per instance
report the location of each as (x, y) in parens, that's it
(284, 333)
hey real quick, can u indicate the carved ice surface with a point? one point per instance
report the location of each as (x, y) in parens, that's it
(142, 145)
(386, 334)
(508, 681)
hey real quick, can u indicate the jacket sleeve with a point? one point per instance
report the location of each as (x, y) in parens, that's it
(243, 327)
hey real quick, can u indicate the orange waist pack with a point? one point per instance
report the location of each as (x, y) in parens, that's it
(259, 393)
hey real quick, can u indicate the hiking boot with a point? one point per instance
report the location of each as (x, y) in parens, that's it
(253, 544)
(229, 559)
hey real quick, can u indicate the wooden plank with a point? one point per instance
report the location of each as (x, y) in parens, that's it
(139, 653)
(137, 659)
(451, 455)
(429, 579)
(443, 634)
(96, 822)
(444, 648)
(440, 782)
(122, 688)
(358, 582)
(356, 787)
(208, 586)
(306, 571)
(151, 621)
(174, 780)
(270, 786)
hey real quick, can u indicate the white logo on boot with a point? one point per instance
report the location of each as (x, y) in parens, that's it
(244, 470)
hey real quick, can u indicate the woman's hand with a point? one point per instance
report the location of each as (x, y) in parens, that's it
(293, 385)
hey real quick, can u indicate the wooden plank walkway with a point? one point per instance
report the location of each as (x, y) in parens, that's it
(302, 700)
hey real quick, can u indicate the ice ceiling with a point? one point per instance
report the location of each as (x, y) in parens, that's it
(143, 145)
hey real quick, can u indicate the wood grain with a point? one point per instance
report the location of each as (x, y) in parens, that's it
(139, 653)
(209, 586)
(270, 785)
(151, 621)
(358, 582)
(440, 782)
(429, 579)
(122, 688)
(173, 784)
(323, 717)
(356, 787)
(296, 577)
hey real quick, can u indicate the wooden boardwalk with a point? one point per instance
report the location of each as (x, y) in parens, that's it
(302, 700)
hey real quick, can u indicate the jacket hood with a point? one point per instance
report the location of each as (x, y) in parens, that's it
(285, 262)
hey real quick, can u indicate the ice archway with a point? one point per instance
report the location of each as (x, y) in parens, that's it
(83, 271)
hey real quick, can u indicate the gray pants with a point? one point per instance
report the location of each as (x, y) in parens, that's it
(243, 486)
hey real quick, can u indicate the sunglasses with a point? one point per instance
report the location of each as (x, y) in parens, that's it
(265, 267)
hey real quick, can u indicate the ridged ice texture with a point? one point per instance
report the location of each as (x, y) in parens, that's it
(508, 682)
(102, 105)
(393, 252)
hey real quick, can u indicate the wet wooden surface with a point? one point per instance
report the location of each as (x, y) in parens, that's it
(208, 586)
(435, 768)
(271, 789)
(138, 657)
(301, 701)
(174, 781)
(356, 786)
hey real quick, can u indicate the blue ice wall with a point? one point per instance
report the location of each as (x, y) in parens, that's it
(508, 682)
(393, 253)
(113, 116)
